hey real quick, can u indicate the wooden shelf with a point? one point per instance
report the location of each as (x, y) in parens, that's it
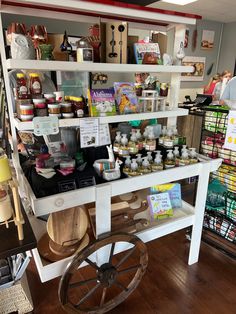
(182, 218)
(87, 195)
(23, 126)
(94, 67)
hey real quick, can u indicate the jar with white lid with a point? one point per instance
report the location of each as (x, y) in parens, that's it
(84, 51)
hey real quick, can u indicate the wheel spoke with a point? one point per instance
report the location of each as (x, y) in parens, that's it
(126, 270)
(104, 292)
(92, 263)
(81, 283)
(119, 284)
(125, 257)
(112, 252)
(89, 294)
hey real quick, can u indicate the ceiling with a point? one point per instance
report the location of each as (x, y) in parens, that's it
(221, 11)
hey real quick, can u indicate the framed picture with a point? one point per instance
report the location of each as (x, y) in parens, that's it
(207, 41)
(199, 67)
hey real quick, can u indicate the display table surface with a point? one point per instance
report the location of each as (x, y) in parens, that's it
(10, 244)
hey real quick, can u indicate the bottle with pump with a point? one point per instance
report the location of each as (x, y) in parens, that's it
(139, 139)
(133, 145)
(149, 157)
(145, 168)
(176, 155)
(162, 136)
(151, 142)
(184, 159)
(127, 165)
(175, 136)
(193, 156)
(170, 160)
(117, 142)
(184, 147)
(157, 164)
(123, 150)
(168, 139)
(145, 135)
(134, 168)
(139, 159)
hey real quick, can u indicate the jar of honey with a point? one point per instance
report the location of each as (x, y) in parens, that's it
(78, 106)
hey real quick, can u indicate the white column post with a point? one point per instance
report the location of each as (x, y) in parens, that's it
(199, 213)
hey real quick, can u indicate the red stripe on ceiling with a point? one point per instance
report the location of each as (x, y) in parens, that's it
(112, 3)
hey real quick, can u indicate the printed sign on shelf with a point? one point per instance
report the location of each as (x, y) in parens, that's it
(230, 138)
(45, 125)
(89, 132)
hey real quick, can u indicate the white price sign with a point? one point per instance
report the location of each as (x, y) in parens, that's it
(45, 125)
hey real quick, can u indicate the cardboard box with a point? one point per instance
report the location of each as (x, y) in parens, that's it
(161, 39)
(116, 42)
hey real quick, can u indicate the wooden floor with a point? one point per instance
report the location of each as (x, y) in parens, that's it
(169, 286)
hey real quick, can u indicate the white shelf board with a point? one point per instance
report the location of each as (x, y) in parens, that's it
(182, 218)
(28, 125)
(94, 67)
(82, 196)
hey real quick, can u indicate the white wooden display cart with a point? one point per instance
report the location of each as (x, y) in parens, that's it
(101, 253)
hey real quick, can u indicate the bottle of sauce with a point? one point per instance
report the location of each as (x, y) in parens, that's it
(21, 86)
(35, 84)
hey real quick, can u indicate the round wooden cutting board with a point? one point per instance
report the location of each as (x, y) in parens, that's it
(45, 251)
(68, 226)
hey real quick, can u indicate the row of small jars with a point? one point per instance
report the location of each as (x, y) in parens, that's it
(69, 108)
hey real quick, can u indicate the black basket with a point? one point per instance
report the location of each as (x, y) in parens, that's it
(221, 225)
(213, 135)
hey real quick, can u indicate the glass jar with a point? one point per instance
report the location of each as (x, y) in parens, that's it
(84, 51)
(45, 52)
(66, 107)
(164, 89)
(54, 109)
(78, 106)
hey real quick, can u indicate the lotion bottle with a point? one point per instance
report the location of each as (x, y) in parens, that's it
(163, 134)
(176, 155)
(145, 168)
(133, 145)
(157, 164)
(193, 156)
(151, 142)
(184, 160)
(134, 168)
(139, 159)
(170, 160)
(127, 165)
(117, 142)
(123, 150)
(139, 139)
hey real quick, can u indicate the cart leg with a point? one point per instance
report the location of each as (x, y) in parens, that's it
(199, 214)
(103, 219)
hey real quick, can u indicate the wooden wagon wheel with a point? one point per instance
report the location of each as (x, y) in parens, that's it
(99, 288)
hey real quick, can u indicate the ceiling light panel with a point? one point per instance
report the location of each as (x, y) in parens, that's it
(179, 2)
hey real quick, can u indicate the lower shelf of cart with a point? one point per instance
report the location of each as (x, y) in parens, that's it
(181, 219)
(87, 195)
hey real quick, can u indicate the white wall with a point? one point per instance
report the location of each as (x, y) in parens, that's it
(228, 48)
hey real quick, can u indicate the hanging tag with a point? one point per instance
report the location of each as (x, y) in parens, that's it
(45, 125)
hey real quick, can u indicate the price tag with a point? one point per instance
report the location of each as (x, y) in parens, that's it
(45, 125)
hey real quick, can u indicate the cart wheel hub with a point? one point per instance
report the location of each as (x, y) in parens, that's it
(107, 274)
